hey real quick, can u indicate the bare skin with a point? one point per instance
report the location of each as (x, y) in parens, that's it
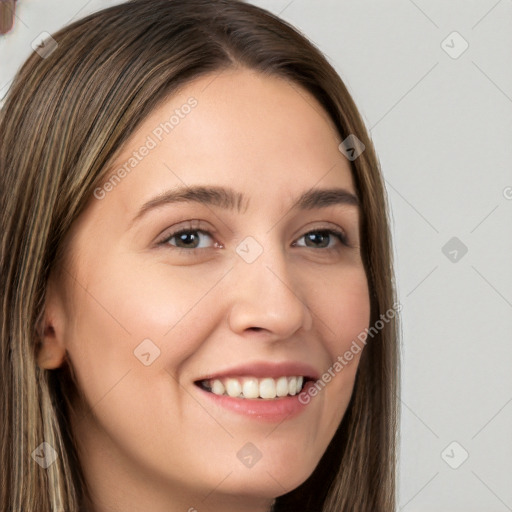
(153, 439)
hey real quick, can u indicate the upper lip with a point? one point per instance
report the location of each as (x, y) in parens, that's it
(266, 369)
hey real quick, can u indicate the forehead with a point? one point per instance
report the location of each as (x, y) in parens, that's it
(238, 129)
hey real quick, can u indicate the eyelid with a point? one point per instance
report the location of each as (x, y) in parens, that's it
(188, 225)
(337, 231)
(194, 250)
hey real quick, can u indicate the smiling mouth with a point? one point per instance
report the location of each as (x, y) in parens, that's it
(253, 388)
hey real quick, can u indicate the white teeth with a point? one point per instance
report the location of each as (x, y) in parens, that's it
(268, 388)
(233, 387)
(218, 388)
(253, 388)
(292, 386)
(282, 386)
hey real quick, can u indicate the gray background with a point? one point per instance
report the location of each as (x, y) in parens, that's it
(442, 128)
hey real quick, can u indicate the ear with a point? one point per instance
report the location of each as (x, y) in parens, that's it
(52, 351)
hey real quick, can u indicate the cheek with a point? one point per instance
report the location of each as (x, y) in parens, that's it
(343, 308)
(124, 310)
(343, 313)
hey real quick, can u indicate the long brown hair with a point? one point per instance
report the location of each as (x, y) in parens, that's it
(65, 119)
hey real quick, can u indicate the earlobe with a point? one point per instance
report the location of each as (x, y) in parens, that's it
(51, 348)
(51, 352)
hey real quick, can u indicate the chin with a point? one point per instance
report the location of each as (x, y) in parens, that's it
(268, 482)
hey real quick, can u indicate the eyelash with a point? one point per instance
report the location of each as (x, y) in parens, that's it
(340, 235)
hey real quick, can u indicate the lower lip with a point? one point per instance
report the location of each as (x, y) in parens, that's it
(272, 410)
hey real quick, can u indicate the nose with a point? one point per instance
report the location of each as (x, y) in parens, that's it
(265, 295)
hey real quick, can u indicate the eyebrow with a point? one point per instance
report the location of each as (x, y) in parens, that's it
(230, 199)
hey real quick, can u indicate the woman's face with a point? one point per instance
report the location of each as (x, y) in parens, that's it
(258, 289)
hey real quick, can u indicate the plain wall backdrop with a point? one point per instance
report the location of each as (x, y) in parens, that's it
(433, 80)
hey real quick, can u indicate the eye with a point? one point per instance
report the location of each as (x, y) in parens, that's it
(323, 239)
(187, 239)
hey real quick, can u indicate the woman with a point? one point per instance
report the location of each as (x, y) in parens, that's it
(195, 248)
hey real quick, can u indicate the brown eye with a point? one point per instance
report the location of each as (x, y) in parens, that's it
(187, 239)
